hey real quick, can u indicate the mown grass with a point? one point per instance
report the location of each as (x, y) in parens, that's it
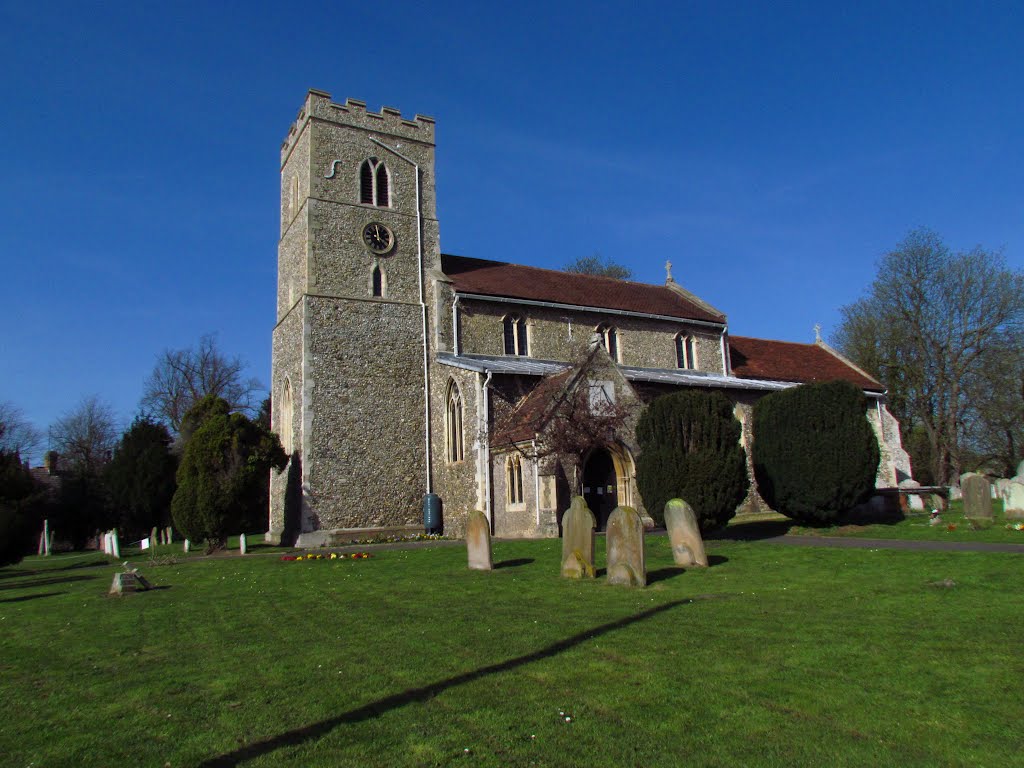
(774, 656)
(913, 526)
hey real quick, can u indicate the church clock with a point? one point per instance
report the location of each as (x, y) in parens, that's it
(378, 238)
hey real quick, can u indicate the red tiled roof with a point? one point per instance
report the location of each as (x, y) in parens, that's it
(526, 419)
(515, 281)
(788, 361)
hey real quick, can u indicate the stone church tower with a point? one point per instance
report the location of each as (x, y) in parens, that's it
(358, 232)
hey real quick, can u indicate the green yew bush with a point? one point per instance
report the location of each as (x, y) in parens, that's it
(690, 449)
(223, 474)
(815, 454)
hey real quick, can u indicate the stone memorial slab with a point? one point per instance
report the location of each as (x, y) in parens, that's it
(169, 534)
(243, 544)
(1020, 472)
(187, 545)
(129, 580)
(115, 545)
(684, 534)
(153, 537)
(478, 542)
(1013, 503)
(578, 525)
(625, 541)
(977, 493)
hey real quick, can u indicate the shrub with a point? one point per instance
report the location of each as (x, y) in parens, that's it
(223, 475)
(690, 449)
(20, 501)
(815, 454)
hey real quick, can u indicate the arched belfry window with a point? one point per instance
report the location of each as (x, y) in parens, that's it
(514, 479)
(374, 183)
(516, 337)
(686, 351)
(453, 424)
(284, 430)
(610, 337)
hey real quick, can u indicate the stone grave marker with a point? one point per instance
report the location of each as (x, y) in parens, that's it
(186, 546)
(115, 545)
(977, 496)
(1013, 502)
(1020, 472)
(169, 534)
(153, 537)
(478, 542)
(625, 541)
(129, 580)
(578, 526)
(684, 534)
(242, 544)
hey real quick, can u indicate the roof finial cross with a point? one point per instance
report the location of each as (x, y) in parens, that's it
(817, 332)
(668, 272)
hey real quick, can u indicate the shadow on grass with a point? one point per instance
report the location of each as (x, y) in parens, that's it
(46, 582)
(755, 531)
(678, 570)
(514, 563)
(388, 703)
(30, 597)
(13, 573)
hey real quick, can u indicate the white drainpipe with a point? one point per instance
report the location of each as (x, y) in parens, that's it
(485, 438)
(423, 313)
(455, 325)
(536, 481)
(725, 352)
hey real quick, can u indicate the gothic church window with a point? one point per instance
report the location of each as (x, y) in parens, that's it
(374, 183)
(377, 281)
(453, 424)
(610, 337)
(686, 351)
(516, 341)
(514, 479)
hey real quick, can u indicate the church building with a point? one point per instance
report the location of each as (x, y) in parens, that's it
(401, 372)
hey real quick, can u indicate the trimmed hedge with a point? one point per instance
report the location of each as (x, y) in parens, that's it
(690, 449)
(815, 454)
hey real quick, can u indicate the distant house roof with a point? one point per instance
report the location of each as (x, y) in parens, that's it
(515, 281)
(788, 361)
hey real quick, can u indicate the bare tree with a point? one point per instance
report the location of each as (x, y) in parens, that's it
(183, 377)
(86, 435)
(928, 323)
(599, 265)
(17, 433)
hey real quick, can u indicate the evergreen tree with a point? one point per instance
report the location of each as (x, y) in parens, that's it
(815, 454)
(690, 449)
(20, 503)
(140, 477)
(224, 473)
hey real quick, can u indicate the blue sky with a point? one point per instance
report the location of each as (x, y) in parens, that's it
(772, 152)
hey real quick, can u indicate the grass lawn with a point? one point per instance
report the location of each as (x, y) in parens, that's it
(915, 526)
(774, 656)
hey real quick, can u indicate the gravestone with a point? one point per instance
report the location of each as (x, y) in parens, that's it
(684, 534)
(478, 541)
(242, 543)
(955, 494)
(1020, 472)
(115, 545)
(186, 546)
(153, 537)
(625, 541)
(106, 543)
(1013, 502)
(578, 526)
(129, 580)
(169, 534)
(977, 493)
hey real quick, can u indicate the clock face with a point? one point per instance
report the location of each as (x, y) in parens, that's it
(378, 238)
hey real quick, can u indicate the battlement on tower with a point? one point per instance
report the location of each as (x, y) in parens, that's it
(388, 121)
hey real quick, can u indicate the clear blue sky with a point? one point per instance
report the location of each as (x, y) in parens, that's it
(772, 151)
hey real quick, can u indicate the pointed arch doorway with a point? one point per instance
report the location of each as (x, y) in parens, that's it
(606, 482)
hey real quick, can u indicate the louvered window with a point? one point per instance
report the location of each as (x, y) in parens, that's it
(377, 281)
(611, 340)
(374, 183)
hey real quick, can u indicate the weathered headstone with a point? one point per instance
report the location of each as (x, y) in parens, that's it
(684, 534)
(625, 541)
(1013, 502)
(977, 496)
(106, 542)
(955, 494)
(153, 537)
(578, 526)
(242, 543)
(129, 580)
(1020, 472)
(115, 545)
(169, 534)
(187, 544)
(478, 542)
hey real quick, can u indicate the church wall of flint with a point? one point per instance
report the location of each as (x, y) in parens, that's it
(287, 358)
(557, 334)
